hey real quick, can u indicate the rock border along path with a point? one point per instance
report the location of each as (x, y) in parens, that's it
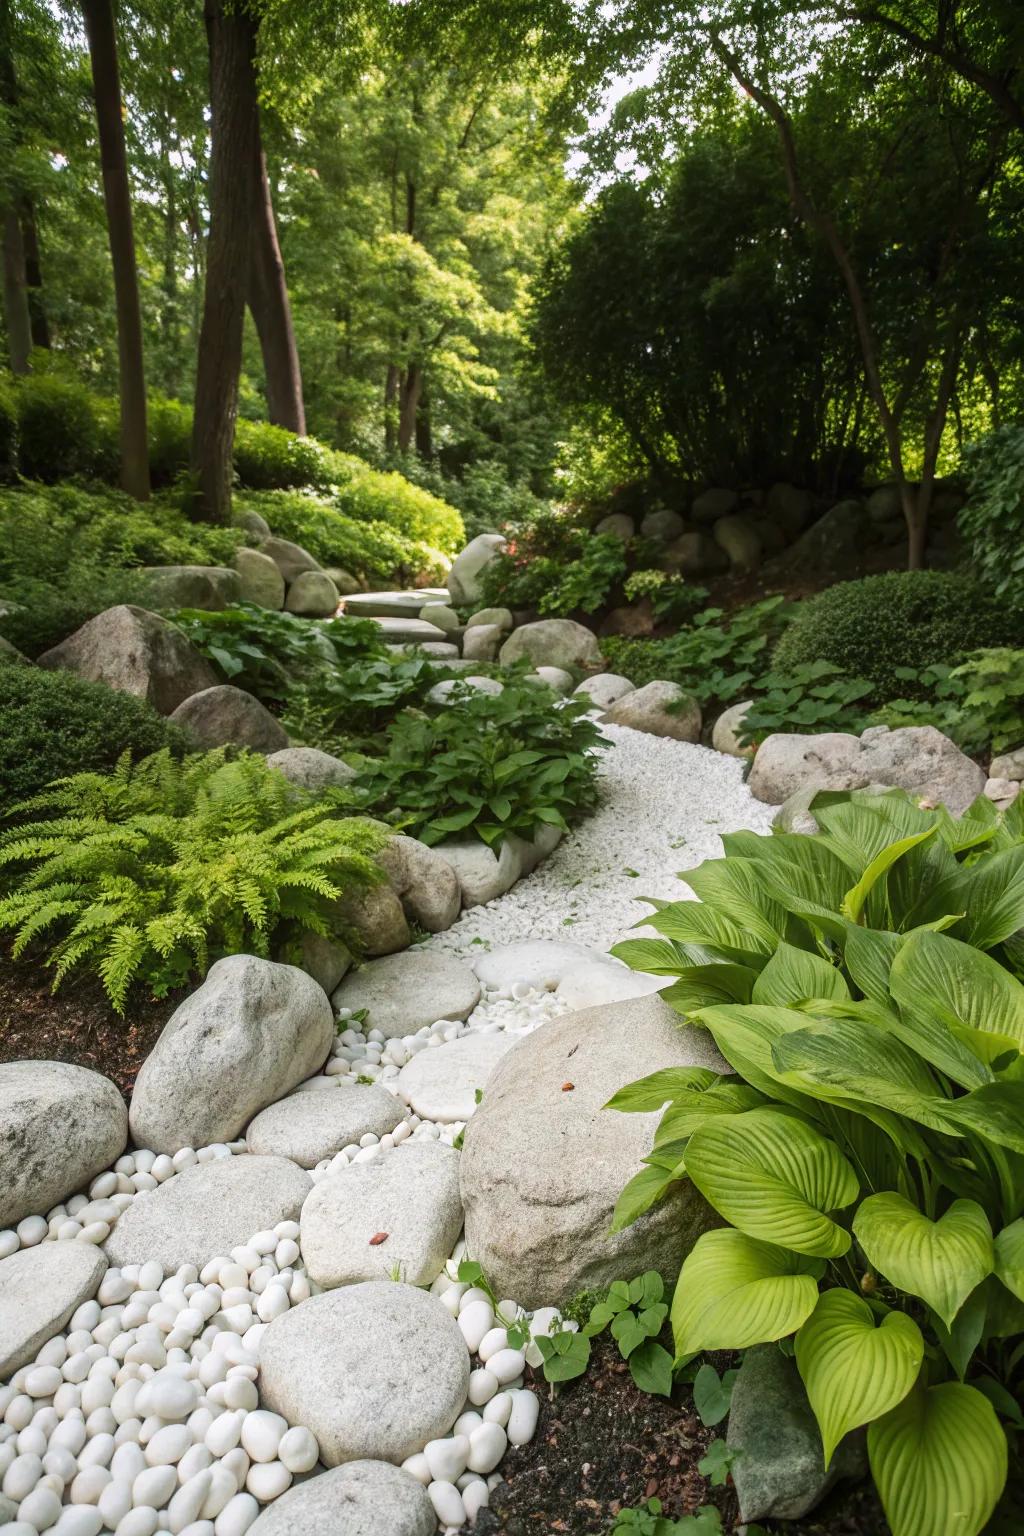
(141, 1415)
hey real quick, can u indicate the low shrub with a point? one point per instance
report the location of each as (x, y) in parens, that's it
(53, 723)
(980, 704)
(42, 613)
(8, 430)
(992, 522)
(169, 425)
(269, 458)
(372, 496)
(814, 697)
(371, 549)
(489, 767)
(63, 430)
(901, 619)
(150, 873)
(862, 986)
(717, 659)
(582, 576)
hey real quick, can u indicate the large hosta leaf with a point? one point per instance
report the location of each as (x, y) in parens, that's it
(651, 1093)
(734, 1291)
(974, 997)
(855, 1368)
(793, 975)
(775, 1178)
(856, 897)
(1009, 1248)
(940, 1261)
(939, 1461)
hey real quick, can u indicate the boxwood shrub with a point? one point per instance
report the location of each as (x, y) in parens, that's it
(53, 724)
(900, 619)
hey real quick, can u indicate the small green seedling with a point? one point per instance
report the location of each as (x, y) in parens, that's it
(648, 1520)
(636, 1312)
(712, 1394)
(716, 1464)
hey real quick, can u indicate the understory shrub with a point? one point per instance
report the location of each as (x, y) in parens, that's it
(813, 697)
(979, 704)
(8, 430)
(992, 522)
(53, 724)
(376, 496)
(64, 430)
(581, 572)
(151, 872)
(900, 619)
(371, 549)
(865, 1146)
(488, 767)
(716, 659)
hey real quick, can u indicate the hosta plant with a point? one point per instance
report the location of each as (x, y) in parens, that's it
(153, 871)
(866, 1147)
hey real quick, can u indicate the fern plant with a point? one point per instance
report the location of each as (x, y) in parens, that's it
(153, 871)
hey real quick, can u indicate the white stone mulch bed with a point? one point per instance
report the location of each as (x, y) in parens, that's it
(154, 1408)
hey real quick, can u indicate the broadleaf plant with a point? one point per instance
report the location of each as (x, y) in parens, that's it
(866, 1146)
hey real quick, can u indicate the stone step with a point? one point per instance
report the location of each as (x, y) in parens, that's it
(409, 631)
(393, 605)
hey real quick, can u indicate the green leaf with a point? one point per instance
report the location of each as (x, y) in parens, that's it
(734, 1291)
(939, 1461)
(774, 1177)
(853, 901)
(716, 1463)
(973, 996)
(651, 1368)
(643, 1190)
(1009, 1257)
(939, 1261)
(793, 975)
(655, 1091)
(854, 1368)
(712, 1395)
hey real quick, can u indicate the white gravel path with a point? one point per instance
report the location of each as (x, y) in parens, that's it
(664, 805)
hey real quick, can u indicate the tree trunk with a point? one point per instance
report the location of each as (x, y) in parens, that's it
(268, 301)
(16, 315)
(408, 406)
(390, 408)
(34, 276)
(99, 30)
(424, 430)
(231, 35)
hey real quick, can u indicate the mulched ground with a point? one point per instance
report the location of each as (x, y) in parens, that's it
(603, 1446)
(77, 1024)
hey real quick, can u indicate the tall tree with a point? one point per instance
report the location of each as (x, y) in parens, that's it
(268, 301)
(16, 313)
(102, 39)
(23, 312)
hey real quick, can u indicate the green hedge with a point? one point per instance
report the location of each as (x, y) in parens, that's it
(375, 550)
(53, 724)
(901, 619)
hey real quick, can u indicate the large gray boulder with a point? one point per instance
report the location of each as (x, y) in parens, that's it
(739, 538)
(290, 559)
(423, 880)
(59, 1126)
(253, 523)
(604, 689)
(834, 545)
(553, 643)
(136, 652)
(620, 524)
(251, 1033)
(779, 1472)
(919, 759)
(224, 716)
(443, 1084)
(191, 586)
(482, 642)
(396, 1216)
(403, 992)
(725, 733)
(314, 595)
(464, 582)
(308, 1127)
(40, 1287)
(544, 1162)
(374, 1370)
(261, 582)
(695, 553)
(500, 616)
(311, 769)
(362, 1498)
(1009, 765)
(790, 506)
(659, 709)
(709, 506)
(483, 874)
(208, 1209)
(377, 918)
(662, 525)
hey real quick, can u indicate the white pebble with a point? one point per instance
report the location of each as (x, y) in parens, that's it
(223, 1486)
(467, 1422)
(487, 1445)
(522, 1423)
(483, 1384)
(188, 1501)
(153, 1488)
(31, 1230)
(168, 1445)
(447, 1458)
(79, 1520)
(298, 1451)
(418, 1467)
(89, 1484)
(41, 1509)
(268, 1480)
(138, 1522)
(21, 1477)
(506, 1365)
(475, 1322)
(447, 1502)
(492, 1342)
(236, 1516)
(474, 1497)
(262, 1433)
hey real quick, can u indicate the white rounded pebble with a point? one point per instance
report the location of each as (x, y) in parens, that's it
(506, 1365)
(267, 1480)
(79, 1520)
(138, 1522)
(499, 1408)
(10, 1242)
(493, 1341)
(467, 1422)
(22, 1476)
(474, 1498)
(522, 1422)
(475, 1322)
(447, 1458)
(43, 1381)
(483, 1384)
(115, 1501)
(168, 1445)
(196, 1459)
(188, 1501)
(418, 1467)
(447, 1502)
(487, 1445)
(298, 1451)
(170, 1396)
(236, 1516)
(224, 1433)
(154, 1487)
(41, 1509)
(223, 1486)
(31, 1230)
(262, 1433)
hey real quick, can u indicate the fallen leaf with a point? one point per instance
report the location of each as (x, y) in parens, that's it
(568, 1087)
(378, 1238)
